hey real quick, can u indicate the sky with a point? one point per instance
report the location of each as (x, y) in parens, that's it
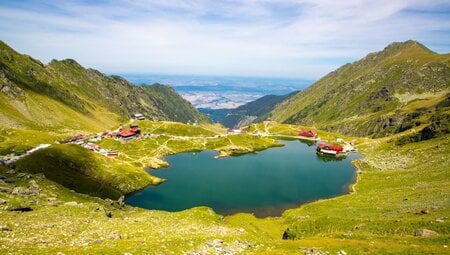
(261, 38)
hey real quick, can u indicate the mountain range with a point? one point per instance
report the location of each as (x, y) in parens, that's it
(404, 86)
(65, 95)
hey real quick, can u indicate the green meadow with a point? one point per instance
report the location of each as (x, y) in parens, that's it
(400, 190)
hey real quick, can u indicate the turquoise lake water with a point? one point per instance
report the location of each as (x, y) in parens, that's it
(266, 183)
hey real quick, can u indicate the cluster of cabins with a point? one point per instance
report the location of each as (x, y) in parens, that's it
(88, 143)
(122, 133)
(327, 148)
(128, 133)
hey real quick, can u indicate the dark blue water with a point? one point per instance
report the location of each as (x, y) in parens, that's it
(265, 184)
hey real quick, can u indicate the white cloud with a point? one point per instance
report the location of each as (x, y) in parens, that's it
(264, 38)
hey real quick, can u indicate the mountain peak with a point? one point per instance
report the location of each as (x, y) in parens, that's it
(67, 61)
(363, 98)
(409, 44)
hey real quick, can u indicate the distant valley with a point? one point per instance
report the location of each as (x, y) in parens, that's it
(222, 92)
(254, 111)
(230, 101)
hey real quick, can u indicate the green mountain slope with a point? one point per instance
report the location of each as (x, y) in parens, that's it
(243, 115)
(85, 171)
(384, 93)
(65, 95)
(216, 115)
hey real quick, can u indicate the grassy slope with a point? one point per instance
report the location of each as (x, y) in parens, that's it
(367, 97)
(37, 112)
(37, 119)
(83, 228)
(63, 95)
(19, 141)
(395, 183)
(85, 171)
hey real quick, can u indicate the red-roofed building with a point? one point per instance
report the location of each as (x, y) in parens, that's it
(128, 133)
(308, 133)
(330, 149)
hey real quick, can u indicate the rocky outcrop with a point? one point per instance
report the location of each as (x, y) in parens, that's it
(425, 233)
(8, 88)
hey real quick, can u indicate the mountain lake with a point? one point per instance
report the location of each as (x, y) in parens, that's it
(265, 183)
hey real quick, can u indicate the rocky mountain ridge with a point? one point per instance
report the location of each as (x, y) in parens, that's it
(401, 87)
(39, 96)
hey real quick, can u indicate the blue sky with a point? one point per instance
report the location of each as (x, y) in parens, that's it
(279, 38)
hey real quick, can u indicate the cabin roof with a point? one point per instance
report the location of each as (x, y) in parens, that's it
(127, 133)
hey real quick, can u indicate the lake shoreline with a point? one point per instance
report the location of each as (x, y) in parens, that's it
(260, 214)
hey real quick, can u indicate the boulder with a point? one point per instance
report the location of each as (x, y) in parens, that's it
(21, 175)
(313, 251)
(215, 243)
(114, 235)
(4, 228)
(108, 213)
(33, 187)
(24, 191)
(20, 191)
(425, 232)
(5, 189)
(121, 201)
(71, 203)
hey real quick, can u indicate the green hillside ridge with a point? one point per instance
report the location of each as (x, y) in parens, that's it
(86, 172)
(216, 115)
(382, 94)
(65, 95)
(254, 111)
